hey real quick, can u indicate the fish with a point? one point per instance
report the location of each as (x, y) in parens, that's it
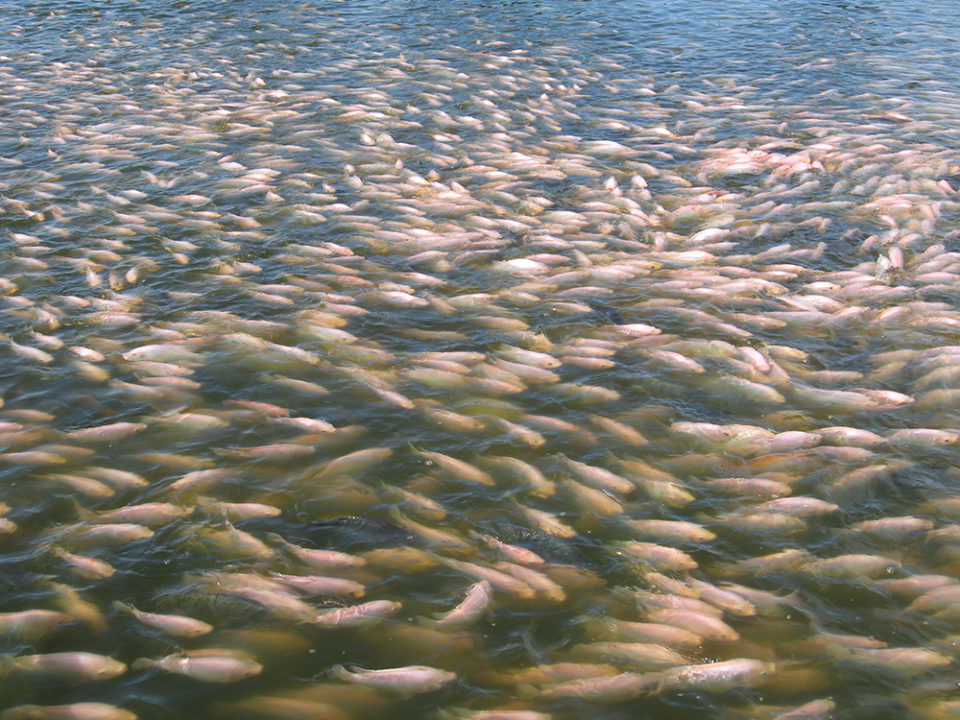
(357, 615)
(455, 468)
(85, 566)
(404, 681)
(175, 625)
(724, 598)
(476, 603)
(659, 557)
(599, 478)
(543, 585)
(591, 500)
(854, 565)
(32, 624)
(502, 714)
(210, 665)
(656, 633)
(514, 553)
(669, 530)
(355, 462)
(537, 483)
(432, 339)
(321, 585)
(905, 660)
(75, 666)
(230, 541)
(316, 557)
(703, 624)
(618, 688)
(73, 711)
(637, 655)
(717, 676)
(77, 607)
(501, 581)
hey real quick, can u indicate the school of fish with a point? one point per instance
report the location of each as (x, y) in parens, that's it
(468, 378)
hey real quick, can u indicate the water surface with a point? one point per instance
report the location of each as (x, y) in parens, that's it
(677, 242)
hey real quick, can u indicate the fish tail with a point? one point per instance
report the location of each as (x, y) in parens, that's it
(398, 517)
(452, 714)
(121, 606)
(441, 560)
(81, 512)
(340, 673)
(426, 622)
(142, 663)
(658, 684)
(476, 535)
(525, 690)
(276, 539)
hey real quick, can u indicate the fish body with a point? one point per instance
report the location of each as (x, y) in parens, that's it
(705, 625)
(73, 711)
(209, 666)
(606, 689)
(357, 615)
(175, 625)
(74, 666)
(478, 600)
(406, 681)
(458, 469)
(718, 676)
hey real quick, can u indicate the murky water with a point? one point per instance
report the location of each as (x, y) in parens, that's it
(601, 359)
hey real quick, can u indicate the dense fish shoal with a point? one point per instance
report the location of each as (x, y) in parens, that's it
(501, 363)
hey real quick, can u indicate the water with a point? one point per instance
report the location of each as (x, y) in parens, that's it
(313, 257)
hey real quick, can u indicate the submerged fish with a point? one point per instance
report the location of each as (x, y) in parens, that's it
(76, 666)
(176, 625)
(74, 711)
(491, 319)
(402, 680)
(212, 666)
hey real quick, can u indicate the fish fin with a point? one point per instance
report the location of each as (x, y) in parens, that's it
(142, 663)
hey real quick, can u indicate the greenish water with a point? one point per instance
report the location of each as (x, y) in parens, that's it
(406, 281)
